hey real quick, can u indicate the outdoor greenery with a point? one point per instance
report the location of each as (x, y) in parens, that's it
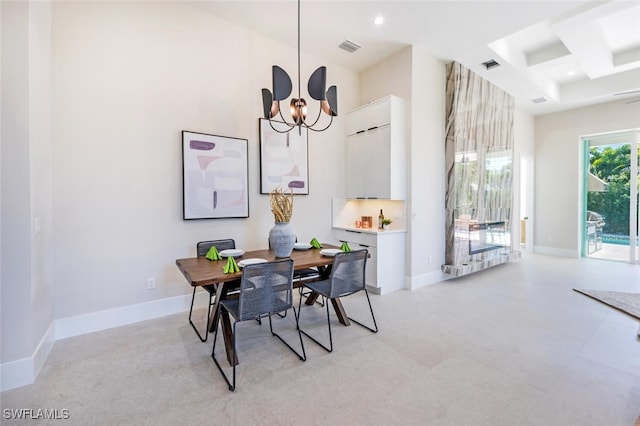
(612, 165)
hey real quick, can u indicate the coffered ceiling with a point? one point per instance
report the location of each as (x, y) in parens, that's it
(552, 55)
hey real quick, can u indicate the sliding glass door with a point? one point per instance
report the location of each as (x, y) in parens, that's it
(611, 184)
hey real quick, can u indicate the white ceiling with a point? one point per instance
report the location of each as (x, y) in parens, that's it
(571, 53)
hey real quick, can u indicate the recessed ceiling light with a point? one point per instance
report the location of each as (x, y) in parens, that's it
(379, 20)
(571, 73)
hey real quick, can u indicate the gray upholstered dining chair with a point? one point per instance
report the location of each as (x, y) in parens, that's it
(347, 278)
(265, 289)
(201, 249)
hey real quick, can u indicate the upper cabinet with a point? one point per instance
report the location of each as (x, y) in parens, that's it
(376, 150)
(370, 116)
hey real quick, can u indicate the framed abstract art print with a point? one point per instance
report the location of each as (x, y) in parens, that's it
(284, 160)
(214, 176)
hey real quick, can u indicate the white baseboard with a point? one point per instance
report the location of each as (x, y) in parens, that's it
(24, 371)
(117, 317)
(44, 348)
(553, 251)
(391, 287)
(412, 283)
(419, 281)
(16, 373)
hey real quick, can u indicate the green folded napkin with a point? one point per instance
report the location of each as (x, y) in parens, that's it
(315, 243)
(231, 266)
(213, 254)
(345, 246)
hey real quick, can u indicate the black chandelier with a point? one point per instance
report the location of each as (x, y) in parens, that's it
(317, 90)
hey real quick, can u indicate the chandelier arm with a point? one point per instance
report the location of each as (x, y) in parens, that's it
(291, 126)
(284, 120)
(308, 126)
(321, 130)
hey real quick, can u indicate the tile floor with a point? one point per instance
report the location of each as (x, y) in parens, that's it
(513, 345)
(613, 252)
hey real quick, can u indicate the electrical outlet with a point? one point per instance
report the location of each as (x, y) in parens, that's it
(151, 283)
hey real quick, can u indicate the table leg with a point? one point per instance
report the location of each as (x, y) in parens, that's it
(337, 306)
(340, 312)
(227, 331)
(311, 298)
(221, 293)
(324, 272)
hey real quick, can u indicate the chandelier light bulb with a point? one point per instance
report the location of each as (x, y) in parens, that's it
(298, 110)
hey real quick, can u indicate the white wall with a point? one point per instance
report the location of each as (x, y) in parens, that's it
(523, 149)
(40, 98)
(416, 76)
(389, 77)
(557, 170)
(16, 212)
(428, 176)
(27, 284)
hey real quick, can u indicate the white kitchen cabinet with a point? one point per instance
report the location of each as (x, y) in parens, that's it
(385, 265)
(375, 114)
(376, 150)
(356, 168)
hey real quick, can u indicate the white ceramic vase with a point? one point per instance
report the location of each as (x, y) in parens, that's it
(282, 238)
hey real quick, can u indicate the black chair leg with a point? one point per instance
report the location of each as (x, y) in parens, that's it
(232, 383)
(206, 330)
(328, 349)
(375, 325)
(302, 357)
(232, 386)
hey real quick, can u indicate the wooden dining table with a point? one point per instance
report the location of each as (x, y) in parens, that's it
(200, 271)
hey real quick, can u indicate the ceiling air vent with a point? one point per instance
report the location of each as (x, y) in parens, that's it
(491, 63)
(538, 100)
(349, 46)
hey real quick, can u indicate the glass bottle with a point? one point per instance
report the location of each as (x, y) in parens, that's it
(380, 219)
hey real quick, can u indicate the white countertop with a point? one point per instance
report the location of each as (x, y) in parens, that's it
(371, 230)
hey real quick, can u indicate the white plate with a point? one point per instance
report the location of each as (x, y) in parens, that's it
(246, 262)
(301, 246)
(330, 252)
(232, 252)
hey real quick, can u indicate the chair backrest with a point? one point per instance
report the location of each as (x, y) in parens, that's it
(348, 273)
(203, 246)
(265, 288)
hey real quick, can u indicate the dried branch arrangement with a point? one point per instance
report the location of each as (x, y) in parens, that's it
(281, 205)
